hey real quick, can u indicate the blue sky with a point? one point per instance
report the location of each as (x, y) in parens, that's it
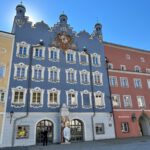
(125, 22)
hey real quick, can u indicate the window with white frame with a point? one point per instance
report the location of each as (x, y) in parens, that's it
(127, 101)
(110, 66)
(128, 57)
(23, 50)
(113, 81)
(39, 52)
(124, 127)
(147, 70)
(83, 58)
(2, 71)
(53, 74)
(95, 59)
(97, 78)
(53, 97)
(137, 69)
(38, 73)
(141, 101)
(142, 59)
(71, 56)
(84, 77)
(123, 67)
(2, 95)
(18, 96)
(36, 97)
(116, 100)
(124, 82)
(148, 83)
(71, 75)
(20, 72)
(54, 54)
(99, 127)
(72, 98)
(137, 83)
(99, 99)
(86, 99)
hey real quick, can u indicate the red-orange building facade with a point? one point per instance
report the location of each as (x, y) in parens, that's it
(129, 77)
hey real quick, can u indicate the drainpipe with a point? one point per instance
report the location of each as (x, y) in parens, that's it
(27, 100)
(92, 90)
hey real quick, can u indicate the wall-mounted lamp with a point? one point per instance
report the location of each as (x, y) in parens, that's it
(11, 115)
(133, 117)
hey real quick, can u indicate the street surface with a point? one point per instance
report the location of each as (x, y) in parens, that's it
(142, 143)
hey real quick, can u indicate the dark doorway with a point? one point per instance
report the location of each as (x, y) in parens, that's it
(44, 124)
(77, 130)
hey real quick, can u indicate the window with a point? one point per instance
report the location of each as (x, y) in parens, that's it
(110, 66)
(22, 132)
(123, 67)
(124, 82)
(141, 101)
(20, 72)
(142, 59)
(116, 100)
(71, 56)
(39, 53)
(127, 101)
(86, 99)
(36, 97)
(72, 98)
(148, 83)
(84, 77)
(147, 70)
(128, 57)
(97, 78)
(53, 98)
(2, 71)
(53, 74)
(99, 127)
(137, 69)
(99, 99)
(2, 95)
(137, 83)
(23, 50)
(38, 73)
(71, 75)
(113, 81)
(124, 127)
(83, 58)
(95, 59)
(54, 54)
(18, 96)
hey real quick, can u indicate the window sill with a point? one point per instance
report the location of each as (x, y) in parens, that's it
(17, 105)
(22, 56)
(36, 105)
(53, 105)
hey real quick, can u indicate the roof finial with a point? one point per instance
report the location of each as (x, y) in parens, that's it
(21, 2)
(63, 12)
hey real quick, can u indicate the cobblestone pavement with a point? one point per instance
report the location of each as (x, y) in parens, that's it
(142, 143)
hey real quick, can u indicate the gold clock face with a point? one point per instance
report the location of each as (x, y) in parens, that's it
(64, 41)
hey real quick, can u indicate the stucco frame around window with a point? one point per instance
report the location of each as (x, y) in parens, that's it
(2, 90)
(90, 98)
(72, 91)
(88, 77)
(118, 100)
(43, 52)
(101, 78)
(55, 50)
(53, 90)
(74, 56)
(36, 90)
(18, 89)
(99, 59)
(23, 44)
(39, 67)
(83, 54)
(21, 65)
(54, 68)
(102, 98)
(71, 70)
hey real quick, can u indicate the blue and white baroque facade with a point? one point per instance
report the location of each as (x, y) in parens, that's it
(51, 77)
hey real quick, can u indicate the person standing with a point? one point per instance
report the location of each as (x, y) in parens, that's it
(66, 133)
(45, 138)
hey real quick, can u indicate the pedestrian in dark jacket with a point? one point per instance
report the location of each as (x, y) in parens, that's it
(45, 139)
